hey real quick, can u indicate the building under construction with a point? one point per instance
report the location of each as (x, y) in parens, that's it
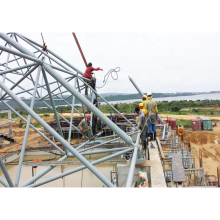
(166, 162)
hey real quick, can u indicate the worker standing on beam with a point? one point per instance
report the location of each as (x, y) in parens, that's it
(151, 113)
(142, 125)
(88, 74)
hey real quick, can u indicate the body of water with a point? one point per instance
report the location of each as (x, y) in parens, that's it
(177, 98)
(214, 96)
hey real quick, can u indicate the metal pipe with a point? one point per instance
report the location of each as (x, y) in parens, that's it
(68, 72)
(47, 55)
(20, 80)
(87, 127)
(20, 54)
(164, 130)
(136, 87)
(54, 89)
(6, 66)
(78, 169)
(39, 86)
(133, 162)
(83, 144)
(4, 170)
(16, 45)
(89, 105)
(72, 110)
(27, 130)
(17, 68)
(63, 117)
(98, 145)
(53, 105)
(39, 175)
(128, 133)
(106, 151)
(3, 182)
(57, 136)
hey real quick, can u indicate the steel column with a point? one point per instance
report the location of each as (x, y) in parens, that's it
(3, 182)
(8, 178)
(27, 130)
(72, 111)
(133, 162)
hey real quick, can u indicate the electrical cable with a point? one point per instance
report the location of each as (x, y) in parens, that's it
(111, 71)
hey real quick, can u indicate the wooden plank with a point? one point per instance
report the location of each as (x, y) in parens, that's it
(177, 168)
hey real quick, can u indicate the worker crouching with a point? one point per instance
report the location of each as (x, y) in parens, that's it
(151, 113)
(83, 127)
(141, 124)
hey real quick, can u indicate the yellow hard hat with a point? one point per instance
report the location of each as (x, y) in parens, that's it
(141, 104)
(144, 96)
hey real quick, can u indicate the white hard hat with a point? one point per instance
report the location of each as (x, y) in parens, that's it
(149, 93)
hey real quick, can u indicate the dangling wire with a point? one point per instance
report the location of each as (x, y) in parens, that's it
(111, 71)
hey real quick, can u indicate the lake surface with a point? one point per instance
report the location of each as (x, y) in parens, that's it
(215, 96)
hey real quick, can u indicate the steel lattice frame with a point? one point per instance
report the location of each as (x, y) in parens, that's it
(28, 66)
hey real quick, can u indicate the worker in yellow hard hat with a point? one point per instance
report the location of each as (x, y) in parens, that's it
(144, 98)
(151, 113)
(142, 107)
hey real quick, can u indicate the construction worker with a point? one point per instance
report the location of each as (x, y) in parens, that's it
(142, 125)
(151, 113)
(142, 104)
(142, 109)
(88, 74)
(83, 128)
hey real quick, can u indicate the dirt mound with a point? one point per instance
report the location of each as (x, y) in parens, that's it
(201, 137)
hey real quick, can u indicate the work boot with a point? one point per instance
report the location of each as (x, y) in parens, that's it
(151, 136)
(155, 135)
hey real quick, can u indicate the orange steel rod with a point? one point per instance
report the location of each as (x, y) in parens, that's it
(77, 42)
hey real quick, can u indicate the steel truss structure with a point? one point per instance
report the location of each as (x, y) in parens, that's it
(26, 68)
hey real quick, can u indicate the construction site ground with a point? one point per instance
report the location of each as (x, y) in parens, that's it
(34, 141)
(208, 141)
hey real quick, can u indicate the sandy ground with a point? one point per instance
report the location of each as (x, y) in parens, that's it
(189, 116)
(34, 140)
(209, 142)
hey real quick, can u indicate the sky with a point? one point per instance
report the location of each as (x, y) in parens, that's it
(165, 46)
(157, 62)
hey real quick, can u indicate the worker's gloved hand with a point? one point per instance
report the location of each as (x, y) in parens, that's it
(82, 131)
